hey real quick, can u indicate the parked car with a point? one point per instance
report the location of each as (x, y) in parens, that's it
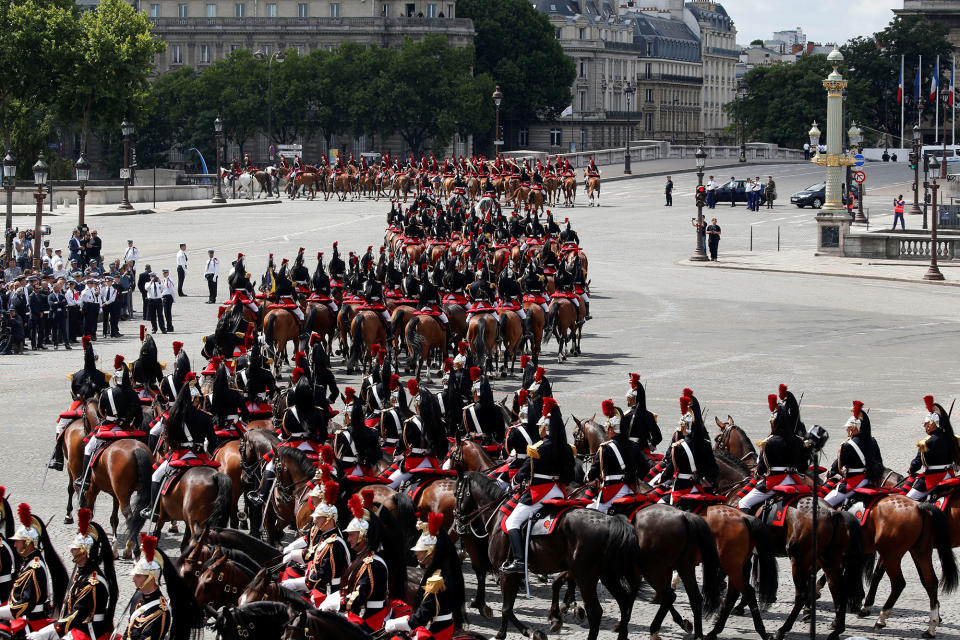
(815, 195)
(736, 190)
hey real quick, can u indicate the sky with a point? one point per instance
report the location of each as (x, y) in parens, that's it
(821, 20)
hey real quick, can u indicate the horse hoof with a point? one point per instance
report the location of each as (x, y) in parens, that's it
(539, 635)
(556, 625)
(68, 519)
(580, 614)
(739, 611)
(780, 635)
(486, 612)
(686, 625)
(927, 634)
(864, 612)
(174, 528)
(834, 636)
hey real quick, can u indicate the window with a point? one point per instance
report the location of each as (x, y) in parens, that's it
(182, 10)
(556, 137)
(204, 54)
(240, 10)
(302, 10)
(267, 50)
(385, 12)
(583, 139)
(154, 10)
(334, 9)
(271, 9)
(234, 47)
(583, 69)
(176, 54)
(648, 122)
(583, 101)
(211, 11)
(449, 10)
(300, 49)
(649, 95)
(583, 33)
(523, 137)
(558, 33)
(410, 9)
(431, 10)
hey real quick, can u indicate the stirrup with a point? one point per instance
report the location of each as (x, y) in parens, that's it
(514, 566)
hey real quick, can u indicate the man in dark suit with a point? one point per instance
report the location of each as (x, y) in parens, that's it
(142, 280)
(58, 317)
(38, 308)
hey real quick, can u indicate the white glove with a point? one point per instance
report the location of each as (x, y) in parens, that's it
(49, 632)
(5, 613)
(299, 543)
(397, 624)
(331, 603)
(294, 555)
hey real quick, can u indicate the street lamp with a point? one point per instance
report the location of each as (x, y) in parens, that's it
(40, 174)
(915, 159)
(9, 183)
(855, 136)
(700, 255)
(933, 273)
(278, 56)
(82, 167)
(497, 138)
(126, 128)
(741, 94)
(218, 193)
(814, 135)
(626, 156)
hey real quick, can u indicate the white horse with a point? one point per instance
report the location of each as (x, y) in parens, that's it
(487, 205)
(244, 183)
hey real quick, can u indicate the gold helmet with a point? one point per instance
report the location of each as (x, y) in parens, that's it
(430, 529)
(86, 536)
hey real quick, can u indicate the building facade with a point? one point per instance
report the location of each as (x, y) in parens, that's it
(945, 12)
(718, 49)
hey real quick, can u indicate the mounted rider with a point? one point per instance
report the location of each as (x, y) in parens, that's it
(639, 423)
(618, 464)
(356, 446)
(858, 460)
(85, 384)
(373, 301)
(482, 420)
(690, 460)
(366, 600)
(423, 436)
(592, 170)
(520, 435)
(938, 455)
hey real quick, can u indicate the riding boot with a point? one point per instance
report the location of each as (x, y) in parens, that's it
(259, 498)
(586, 308)
(152, 442)
(56, 463)
(84, 479)
(527, 328)
(516, 544)
(154, 494)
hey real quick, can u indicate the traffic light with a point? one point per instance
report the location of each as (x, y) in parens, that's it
(701, 196)
(913, 161)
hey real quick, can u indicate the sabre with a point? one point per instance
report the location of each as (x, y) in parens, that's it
(950, 413)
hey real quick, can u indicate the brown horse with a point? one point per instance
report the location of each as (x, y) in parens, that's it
(307, 181)
(253, 446)
(221, 580)
(538, 321)
(400, 315)
(564, 322)
(279, 327)
(593, 190)
(231, 465)
(535, 200)
(293, 471)
(734, 441)
(71, 441)
(457, 317)
(510, 329)
(366, 330)
(482, 338)
(201, 497)
(344, 317)
(569, 191)
(588, 436)
(425, 336)
(321, 319)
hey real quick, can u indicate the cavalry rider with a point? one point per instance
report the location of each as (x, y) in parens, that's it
(618, 463)
(481, 419)
(551, 228)
(190, 439)
(373, 301)
(228, 406)
(41, 581)
(783, 457)
(302, 427)
(549, 468)
(791, 407)
(299, 273)
(519, 437)
(441, 609)
(257, 383)
(85, 384)
(388, 403)
(9, 560)
(242, 287)
(580, 284)
(286, 293)
(356, 446)
(424, 439)
(152, 616)
(297, 168)
(858, 459)
(938, 454)
(146, 371)
(563, 280)
(430, 303)
(592, 171)
(568, 170)
(91, 600)
(639, 423)
(366, 602)
(511, 297)
(568, 236)
(248, 163)
(321, 286)
(120, 417)
(534, 285)
(690, 461)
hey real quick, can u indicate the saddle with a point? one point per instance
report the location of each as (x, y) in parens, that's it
(507, 305)
(697, 502)
(202, 459)
(629, 506)
(545, 520)
(943, 492)
(432, 311)
(455, 298)
(863, 500)
(173, 477)
(773, 512)
(423, 478)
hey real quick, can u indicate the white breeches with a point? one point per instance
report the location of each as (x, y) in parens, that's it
(546, 309)
(915, 494)
(386, 316)
(756, 496)
(296, 584)
(91, 446)
(603, 507)
(157, 429)
(400, 476)
(523, 512)
(333, 306)
(835, 497)
(297, 311)
(62, 424)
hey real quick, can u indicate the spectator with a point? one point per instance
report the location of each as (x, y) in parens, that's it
(76, 246)
(110, 307)
(771, 192)
(17, 333)
(59, 317)
(38, 309)
(181, 268)
(142, 281)
(12, 271)
(154, 302)
(169, 297)
(24, 251)
(713, 238)
(668, 191)
(898, 205)
(74, 316)
(94, 247)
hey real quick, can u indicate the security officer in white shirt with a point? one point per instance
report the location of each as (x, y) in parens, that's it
(155, 290)
(212, 274)
(712, 193)
(110, 306)
(90, 307)
(169, 297)
(132, 254)
(181, 267)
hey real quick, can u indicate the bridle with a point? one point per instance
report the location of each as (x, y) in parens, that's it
(464, 523)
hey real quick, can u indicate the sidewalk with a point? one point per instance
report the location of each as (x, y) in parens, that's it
(802, 261)
(673, 166)
(139, 208)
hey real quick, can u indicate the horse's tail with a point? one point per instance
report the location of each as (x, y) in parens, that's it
(502, 325)
(853, 558)
(414, 340)
(222, 503)
(480, 342)
(356, 341)
(268, 333)
(710, 560)
(310, 319)
(765, 562)
(395, 323)
(144, 463)
(941, 539)
(550, 322)
(621, 545)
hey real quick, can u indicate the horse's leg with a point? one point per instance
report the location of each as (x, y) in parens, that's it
(878, 573)
(891, 564)
(928, 578)
(689, 577)
(801, 584)
(555, 617)
(624, 598)
(509, 585)
(68, 518)
(588, 590)
(729, 600)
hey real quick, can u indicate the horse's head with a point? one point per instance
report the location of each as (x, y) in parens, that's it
(296, 628)
(224, 624)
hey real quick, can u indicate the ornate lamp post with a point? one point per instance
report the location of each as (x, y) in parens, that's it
(218, 193)
(933, 273)
(278, 56)
(700, 255)
(628, 91)
(855, 136)
(741, 94)
(9, 183)
(126, 128)
(40, 174)
(915, 159)
(497, 138)
(82, 167)
(833, 220)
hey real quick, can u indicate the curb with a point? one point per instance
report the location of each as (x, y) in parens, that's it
(946, 283)
(693, 170)
(192, 207)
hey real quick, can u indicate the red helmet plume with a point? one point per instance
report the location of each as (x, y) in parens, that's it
(782, 391)
(857, 408)
(326, 453)
(296, 374)
(413, 386)
(462, 348)
(374, 350)
(367, 495)
(524, 360)
(684, 404)
(434, 522)
(83, 520)
(148, 545)
(609, 409)
(118, 361)
(143, 332)
(24, 515)
(448, 364)
(928, 400)
(330, 491)
(475, 373)
(394, 381)
(348, 395)
(522, 396)
(538, 377)
(355, 503)
(688, 392)
(177, 345)
(85, 341)
(772, 401)
(548, 406)
(634, 380)
(299, 358)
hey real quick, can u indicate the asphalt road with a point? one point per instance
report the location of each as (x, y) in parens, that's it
(732, 336)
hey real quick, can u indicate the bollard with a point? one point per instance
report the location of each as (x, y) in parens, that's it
(751, 237)
(778, 238)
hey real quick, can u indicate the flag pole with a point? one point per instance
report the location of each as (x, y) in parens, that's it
(935, 85)
(903, 102)
(953, 103)
(918, 88)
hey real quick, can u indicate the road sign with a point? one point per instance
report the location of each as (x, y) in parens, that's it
(859, 176)
(124, 174)
(860, 159)
(53, 145)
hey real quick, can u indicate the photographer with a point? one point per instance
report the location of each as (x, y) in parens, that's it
(17, 333)
(94, 247)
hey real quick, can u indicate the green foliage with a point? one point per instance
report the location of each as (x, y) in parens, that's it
(757, 42)
(516, 47)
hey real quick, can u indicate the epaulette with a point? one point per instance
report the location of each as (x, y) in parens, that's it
(93, 579)
(922, 444)
(573, 448)
(656, 418)
(331, 537)
(36, 563)
(762, 443)
(434, 583)
(532, 450)
(368, 560)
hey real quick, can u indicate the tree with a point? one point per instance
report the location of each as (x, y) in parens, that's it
(236, 88)
(167, 121)
(757, 42)
(784, 99)
(876, 61)
(111, 62)
(296, 100)
(516, 46)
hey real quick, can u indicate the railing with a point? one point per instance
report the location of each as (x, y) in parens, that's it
(717, 51)
(282, 24)
(920, 248)
(624, 115)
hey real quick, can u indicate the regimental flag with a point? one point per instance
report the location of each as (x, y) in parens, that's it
(900, 86)
(935, 82)
(270, 281)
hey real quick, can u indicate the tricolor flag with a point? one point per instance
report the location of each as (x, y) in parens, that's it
(916, 86)
(935, 82)
(952, 88)
(900, 87)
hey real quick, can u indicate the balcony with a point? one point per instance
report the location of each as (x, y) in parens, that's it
(624, 115)
(668, 77)
(717, 51)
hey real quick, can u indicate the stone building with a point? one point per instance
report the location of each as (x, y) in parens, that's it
(945, 12)
(720, 54)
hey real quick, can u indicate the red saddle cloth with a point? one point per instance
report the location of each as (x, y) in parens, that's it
(282, 305)
(507, 305)
(535, 298)
(559, 505)
(481, 307)
(455, 298)
(563, 294)
(697, 502)
(372, 306)
(202, 459)
(392, 293)
(75, 410)
(569, 247)
(429, 311)
(316, 297)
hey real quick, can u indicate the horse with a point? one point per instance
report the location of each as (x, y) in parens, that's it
(593, 189)
(201, 497)
(482, 338)
(280, 326)
(308, 625)
(400, 316)
(538, 321)
(265, 180)
(735, 441)
(344, 318)
(591, 546)
(244, 183)
(588, 435)
(72, 444)
(221, 580)
(510, 330)
(262, 620)
(535, 199)
(565, 322)
(322, 320)
(569, 191)
(231, 462)
(366, 330)
(293, 471)
(424, 334)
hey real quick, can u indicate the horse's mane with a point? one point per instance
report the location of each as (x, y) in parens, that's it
(343, 627)
(258, 551)
(299, 458)
(732, 460)
(487, 484)
(260, 609)
(746, 438)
